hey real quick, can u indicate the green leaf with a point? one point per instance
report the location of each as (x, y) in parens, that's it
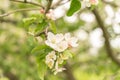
(41, 51)
(92, 7)
(74, 6)
(53, 26)
(38, 48)
(37, 19)
(67, 53)
(28, 21)
(42, 68)
(31, 41)
(41, 26)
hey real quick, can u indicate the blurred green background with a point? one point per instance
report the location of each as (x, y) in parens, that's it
(90, 60)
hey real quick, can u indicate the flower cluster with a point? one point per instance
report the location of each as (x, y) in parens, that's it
(88, 3)
(59, 43)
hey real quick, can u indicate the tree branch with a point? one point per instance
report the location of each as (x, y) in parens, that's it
(18, 10)
(46, 29)
(105, 34)
(68, 72)
(25, 1)
(48, 6)
(8, 21)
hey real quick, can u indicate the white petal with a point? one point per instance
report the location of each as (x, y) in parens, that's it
(73, 39)
(73, 42)
(50, 63)
(59, 37)
(54, 46)
(52, 55)
(62, 46)
(59, 70)
(50, 36)
(67, 36)
(47, 42)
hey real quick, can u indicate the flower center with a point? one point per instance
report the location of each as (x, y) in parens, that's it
(53, 41)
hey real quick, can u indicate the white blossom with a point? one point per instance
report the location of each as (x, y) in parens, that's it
(72, 41)
(61, 46)
(50, 63)
(53, 40)
(57, 69)
(59, 43)
(50, 59)
(51, 55)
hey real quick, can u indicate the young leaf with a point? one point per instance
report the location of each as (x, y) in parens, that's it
(42, 68)
(53, 26)
(38, 49)
(67, 53)
(74, 6)
(28, 21)
(41, 51)
(41, 26)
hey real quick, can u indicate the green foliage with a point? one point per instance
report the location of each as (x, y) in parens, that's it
(41, 51)
(35, 23)
(92, 7)
(67, 53)
(41, 26)
(16, 46)
(42, 68)
(29, 21)
(74, 6)
(53, 26)
(38, 49)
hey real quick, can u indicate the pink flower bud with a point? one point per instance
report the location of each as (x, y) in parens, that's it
(94, 2)
(42, 11)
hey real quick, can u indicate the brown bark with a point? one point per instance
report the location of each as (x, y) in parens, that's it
(106, 36)
(69, 73)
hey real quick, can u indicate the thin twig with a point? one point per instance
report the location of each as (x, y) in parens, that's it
(105, 34)
(48, 6)
(8, 21)
(36, 4)
(18, 10)
(69, 72)
(46, 29)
